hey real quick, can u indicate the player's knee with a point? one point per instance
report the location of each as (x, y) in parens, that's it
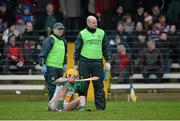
(51, 106)
(82, 98)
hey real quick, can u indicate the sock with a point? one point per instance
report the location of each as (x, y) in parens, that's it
(81, 108)
(60, 104)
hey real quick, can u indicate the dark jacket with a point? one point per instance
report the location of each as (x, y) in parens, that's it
(165, 46)
(32, 36)
(151, 59)
(137, 48)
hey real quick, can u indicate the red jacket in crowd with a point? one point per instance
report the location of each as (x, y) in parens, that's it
(14, 50)
(124, 61)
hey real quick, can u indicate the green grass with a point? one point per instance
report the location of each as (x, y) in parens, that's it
(149, 110)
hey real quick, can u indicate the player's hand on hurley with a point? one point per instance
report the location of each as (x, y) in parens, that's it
(60, 80)
(72, 80)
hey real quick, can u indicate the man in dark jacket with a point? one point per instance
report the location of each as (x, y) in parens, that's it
(29, 41)
(46, 20)
(52, 57)
(90, 47)
(165, 46)
(151, 61)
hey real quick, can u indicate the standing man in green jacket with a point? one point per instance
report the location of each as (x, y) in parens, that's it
(52, 57)
(90, 47)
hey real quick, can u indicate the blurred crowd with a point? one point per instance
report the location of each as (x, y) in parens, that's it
(143, 34)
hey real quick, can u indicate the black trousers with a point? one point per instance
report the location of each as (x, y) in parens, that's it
(89, 69)
(51, 75)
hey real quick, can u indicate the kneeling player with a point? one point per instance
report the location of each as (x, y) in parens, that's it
(63, 99)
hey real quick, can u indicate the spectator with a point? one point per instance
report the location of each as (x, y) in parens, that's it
(106, 9)
(150, 3)
(140, 44)
(11, 28)
(151, 62)
(162, 21)
(154, 33)
(137, 47)
(39, 5)
(7, 15)
(92, 10)
(50, 17)
(29, 39)
(138, 29)
(13, 55)
(20, 25)
(26, 13)
(118, 16)
(101, 9)
(119, 37)
(139, 15)
(155, 13)
(128, 24)
(121, 64)
(71, 11)
(148, 21)
(165, 46)
(174, 38)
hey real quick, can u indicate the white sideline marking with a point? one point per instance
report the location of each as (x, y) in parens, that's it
(22, 77)
(22, 87)
(147, 86)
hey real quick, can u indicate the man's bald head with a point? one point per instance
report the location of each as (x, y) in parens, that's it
(91, 22)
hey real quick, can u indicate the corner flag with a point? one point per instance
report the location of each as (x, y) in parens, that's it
(132, 93)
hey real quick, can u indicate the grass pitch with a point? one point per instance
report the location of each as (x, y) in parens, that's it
(121, 110)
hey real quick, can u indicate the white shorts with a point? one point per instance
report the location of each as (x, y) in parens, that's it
(53, 103)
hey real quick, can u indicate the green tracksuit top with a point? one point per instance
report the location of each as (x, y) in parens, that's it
(56, 55)
(92, 44)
